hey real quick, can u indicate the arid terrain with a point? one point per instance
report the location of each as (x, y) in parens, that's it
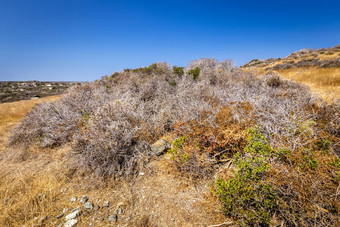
(317, 68)
(37, 186)
(203, 145)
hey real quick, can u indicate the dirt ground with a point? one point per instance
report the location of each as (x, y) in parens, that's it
(36, 186)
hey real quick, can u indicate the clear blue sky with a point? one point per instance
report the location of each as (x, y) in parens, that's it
(82, 40)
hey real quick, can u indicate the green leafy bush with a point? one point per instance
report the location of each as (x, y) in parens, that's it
(257, 143)
(176, 146)
(323, 144)
(194, 72)
(246, 197)
(179, 71)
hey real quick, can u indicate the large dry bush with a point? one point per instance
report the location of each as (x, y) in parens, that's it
(112, 122)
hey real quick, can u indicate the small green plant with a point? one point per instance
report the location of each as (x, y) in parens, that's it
(246, 197)
(257, 143)
(179, 71)
(323, 144)
(177, 145)
(336, 163)
(173, 83)
(194, 72)
(115, 74)
(177, 150)
(309, 161)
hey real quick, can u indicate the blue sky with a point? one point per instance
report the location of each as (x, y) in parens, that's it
(82, 40)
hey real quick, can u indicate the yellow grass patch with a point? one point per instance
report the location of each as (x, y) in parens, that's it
(323, 81)
(12, 112)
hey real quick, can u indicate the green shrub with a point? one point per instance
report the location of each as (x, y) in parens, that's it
(323, 144)
(257, 143)
(177, 145)
(194, 72)
(178, 70)
(246, 197)
(173, 83)
(309, 161)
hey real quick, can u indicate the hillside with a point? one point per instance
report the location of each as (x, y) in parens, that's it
(203, 145)
(11, 91)
(317, 68)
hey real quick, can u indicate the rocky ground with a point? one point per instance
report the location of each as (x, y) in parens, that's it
(11, 91)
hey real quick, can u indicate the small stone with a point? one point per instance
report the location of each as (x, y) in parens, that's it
(71, 223)
(160, 147)
(72, 215)
(35, 218)
(119, 210)
(112, 218)
(141, 174)
(60, 225)
(106, 204)
(59, 216)
(65, 210)
(73, 199)
(88, 206)
(83, 199)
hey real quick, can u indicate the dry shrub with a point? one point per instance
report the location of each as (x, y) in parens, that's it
(273, 80)
(202, 146)
(112, 122)
(306, 187)
(281, 187)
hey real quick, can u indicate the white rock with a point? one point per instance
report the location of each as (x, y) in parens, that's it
(71, 223)
(72, 215)
(83, 199)
(73, 199)
(106, 204)
(88, 206)
(112, 218)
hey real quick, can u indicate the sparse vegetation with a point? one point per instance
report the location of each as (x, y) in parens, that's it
(194, 72)
(319, 69)
(280, 144)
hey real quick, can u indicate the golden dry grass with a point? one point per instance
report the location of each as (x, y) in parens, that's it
(12, 112)
(36, 185)
(324, 82)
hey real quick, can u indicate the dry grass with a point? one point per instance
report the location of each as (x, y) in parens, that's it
(12, 112)
(35, 190)
(36, 185)
(324, 82)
